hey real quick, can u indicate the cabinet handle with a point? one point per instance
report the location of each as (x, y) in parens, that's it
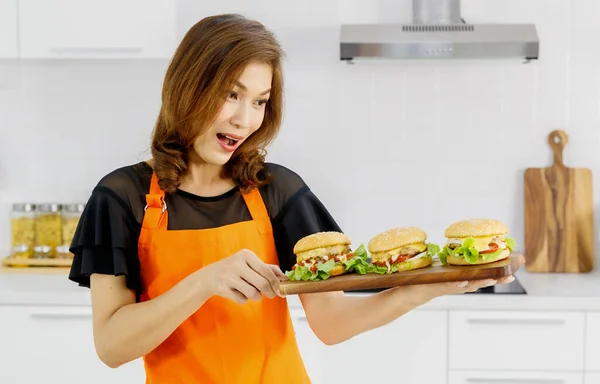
(98, 50)
(514, 381)
(302, 318)
(516, 321)
(61, 316)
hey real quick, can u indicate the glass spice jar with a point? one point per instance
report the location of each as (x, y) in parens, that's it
(62, 252)
(48, 228)
(42, 252)
(70, 218)
(22, 228)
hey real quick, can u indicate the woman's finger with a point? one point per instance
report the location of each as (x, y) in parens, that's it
(259, 282)
(247, 289)
(236, 296)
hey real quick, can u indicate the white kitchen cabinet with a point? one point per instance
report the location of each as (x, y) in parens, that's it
(8, 29)
(97, 28)
(522, 377)
(411, 349)
(592, 342)
(524, 340)
(592, 378)
(55, 344)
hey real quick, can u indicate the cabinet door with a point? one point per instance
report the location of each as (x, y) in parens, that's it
(525, 340)
(8, 29)
(506, 377)
(592, 342)
(411, 349)
(97, 28)
(41, 344)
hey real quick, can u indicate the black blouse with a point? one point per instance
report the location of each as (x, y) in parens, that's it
(106, 238)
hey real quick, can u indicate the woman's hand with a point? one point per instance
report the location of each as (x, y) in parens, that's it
(431, 291)
(242, 277)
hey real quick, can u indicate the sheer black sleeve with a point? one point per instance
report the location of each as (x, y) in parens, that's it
(105, 241)
(302, 215)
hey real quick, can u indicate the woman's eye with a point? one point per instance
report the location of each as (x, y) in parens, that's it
(261, 102)
(233, 95)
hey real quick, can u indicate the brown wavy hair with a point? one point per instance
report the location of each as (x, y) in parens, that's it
(211, 56)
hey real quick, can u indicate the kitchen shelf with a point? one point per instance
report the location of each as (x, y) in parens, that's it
(12, 265)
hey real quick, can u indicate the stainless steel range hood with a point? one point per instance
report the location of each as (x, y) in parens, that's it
(438, 32)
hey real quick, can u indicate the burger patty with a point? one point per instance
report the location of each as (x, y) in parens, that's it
(399, 258)
(397, 255)
(313, 262)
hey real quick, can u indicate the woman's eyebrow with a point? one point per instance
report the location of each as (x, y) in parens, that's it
(245, 89)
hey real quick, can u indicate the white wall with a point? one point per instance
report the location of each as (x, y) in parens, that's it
(382, 144)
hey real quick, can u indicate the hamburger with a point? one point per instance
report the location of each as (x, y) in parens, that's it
(476, 241)
(400, 249)
(325, 254)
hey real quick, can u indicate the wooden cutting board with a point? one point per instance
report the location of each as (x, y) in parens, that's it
(559, 215)
(436, 273)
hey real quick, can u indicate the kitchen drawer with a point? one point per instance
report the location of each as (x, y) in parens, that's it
(592, 342)
(411, 349)
(522, 377)
(524, 340)
(40, 344)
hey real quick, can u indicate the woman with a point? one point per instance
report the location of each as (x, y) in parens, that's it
(184, 253)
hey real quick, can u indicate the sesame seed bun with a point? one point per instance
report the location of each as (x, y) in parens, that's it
(395, 238)
(415, 263)
(321, 240)
(476, 228)
(338, 269)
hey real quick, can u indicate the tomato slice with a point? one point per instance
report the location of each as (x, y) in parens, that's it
(493, 248)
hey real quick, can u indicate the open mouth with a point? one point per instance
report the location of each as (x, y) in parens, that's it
(227, 140)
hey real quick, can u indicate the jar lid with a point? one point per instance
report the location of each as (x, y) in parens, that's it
(42, 249)
(21, 248)
(23, 207)
(49, 207)
(75, 208)
(62, 249)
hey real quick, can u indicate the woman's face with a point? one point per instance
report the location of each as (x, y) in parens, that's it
(241, 115)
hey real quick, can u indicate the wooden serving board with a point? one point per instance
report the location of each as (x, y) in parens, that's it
(559, 215)
(436, 273)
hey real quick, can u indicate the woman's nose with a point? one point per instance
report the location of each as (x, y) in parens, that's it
(241, 117)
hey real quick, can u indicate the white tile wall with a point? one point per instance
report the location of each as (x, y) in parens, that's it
(382, 144)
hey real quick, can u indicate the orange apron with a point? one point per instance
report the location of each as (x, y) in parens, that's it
(223, 342)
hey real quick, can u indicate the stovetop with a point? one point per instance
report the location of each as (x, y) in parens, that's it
(512, 288)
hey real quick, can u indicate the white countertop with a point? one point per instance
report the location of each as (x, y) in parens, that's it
(560, 292)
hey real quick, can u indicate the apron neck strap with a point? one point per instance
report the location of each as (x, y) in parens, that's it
(155, 215)
(256, 205)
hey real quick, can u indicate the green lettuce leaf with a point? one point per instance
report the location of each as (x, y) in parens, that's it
(511, 244)
(432, 249)
(357, 264)
(301, 272)
(466, 250)
(470, 253)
